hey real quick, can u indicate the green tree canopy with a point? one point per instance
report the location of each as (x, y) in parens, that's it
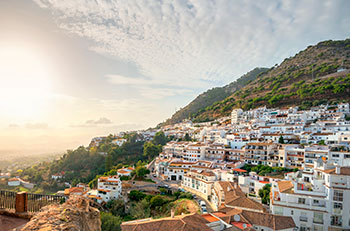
(160, 138)
(281, 140)
(150, 150)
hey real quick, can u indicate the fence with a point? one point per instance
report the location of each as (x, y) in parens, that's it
(8, 200)
(36, 201)
(27, 202)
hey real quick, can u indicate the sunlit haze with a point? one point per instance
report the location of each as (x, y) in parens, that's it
(72, 70)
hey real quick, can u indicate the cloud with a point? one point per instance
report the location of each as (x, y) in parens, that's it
(36, 125)
(188, 43)
(149, 88)
(102, 120)
(13, 126)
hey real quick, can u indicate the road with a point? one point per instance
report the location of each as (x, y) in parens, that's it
(174, 185)
(159, 182)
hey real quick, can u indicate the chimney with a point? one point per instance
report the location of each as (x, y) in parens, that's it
(172, 213)
(337, 170)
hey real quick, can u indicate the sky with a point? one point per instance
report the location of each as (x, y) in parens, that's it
(73, 70)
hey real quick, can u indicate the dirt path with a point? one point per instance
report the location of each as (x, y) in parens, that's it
(186, 205)
(9, 223)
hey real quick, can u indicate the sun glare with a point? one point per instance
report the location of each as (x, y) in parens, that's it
(24, 82)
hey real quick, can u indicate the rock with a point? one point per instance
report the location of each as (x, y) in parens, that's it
(74, 215)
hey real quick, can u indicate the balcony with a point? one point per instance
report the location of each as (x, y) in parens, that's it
(318, 222)
(302, 206)
(337, 211)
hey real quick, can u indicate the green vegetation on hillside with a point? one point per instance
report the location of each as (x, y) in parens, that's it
(213, 95)
(86, 164)
(310, 78)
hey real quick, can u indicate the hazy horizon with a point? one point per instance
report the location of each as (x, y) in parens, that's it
(73, 70)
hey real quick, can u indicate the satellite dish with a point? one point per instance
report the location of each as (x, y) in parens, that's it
(236, 218)
(244, 226)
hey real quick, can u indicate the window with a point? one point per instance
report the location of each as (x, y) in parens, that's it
(318, 218)
(336, 220)
(291, 212)
(338, 195)
(337, 205)
(303, 216)
(301, 200)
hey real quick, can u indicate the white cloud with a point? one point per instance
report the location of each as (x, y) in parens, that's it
(102, 120)
(183, 42)
(37, 125)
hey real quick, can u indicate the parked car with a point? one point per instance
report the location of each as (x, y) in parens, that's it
(204, 210)
(203, 204)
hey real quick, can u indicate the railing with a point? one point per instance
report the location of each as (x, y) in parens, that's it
(7, 200)
(36, 201)
(27, 202)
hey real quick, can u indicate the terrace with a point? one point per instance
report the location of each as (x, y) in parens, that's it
(17, 208)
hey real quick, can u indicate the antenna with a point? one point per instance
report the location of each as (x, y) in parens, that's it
(236, 218)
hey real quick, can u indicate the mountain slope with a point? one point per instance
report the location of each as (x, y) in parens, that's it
(307, 79)
(214, 95)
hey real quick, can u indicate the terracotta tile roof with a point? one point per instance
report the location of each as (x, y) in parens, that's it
(275, 222)
(189, 222)
(209, 217)
(122, 171)
(245, 203)
(284, 185)
(343, 171)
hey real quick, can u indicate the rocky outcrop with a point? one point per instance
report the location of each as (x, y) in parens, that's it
(74, 215)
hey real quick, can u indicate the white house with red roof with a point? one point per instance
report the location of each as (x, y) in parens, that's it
(125, 171)
(14, 182)
(109, 188)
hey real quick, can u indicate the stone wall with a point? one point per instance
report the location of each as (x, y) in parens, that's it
(74, 215)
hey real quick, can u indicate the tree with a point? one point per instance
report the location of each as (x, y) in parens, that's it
(136, 195)
(110, 222)
(151, 150)
(109, 161)
(116, 207)
(322, 142)
(157, 201)
(160, 138)
(93, 183)
(264, 193)
(187, 137)
(141, 209)
(281, 140)
(141, 171)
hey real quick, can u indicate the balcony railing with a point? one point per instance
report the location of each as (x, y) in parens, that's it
(318, 222)
(8, 200)
(27, 202)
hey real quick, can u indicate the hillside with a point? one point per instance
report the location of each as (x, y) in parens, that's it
(213, 95)
(309, 78)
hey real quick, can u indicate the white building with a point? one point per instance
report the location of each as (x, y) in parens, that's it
(109, 188)
(14, 182)
(119, 141)
(125, 171)
(199, 182)
(321, 204)
(235, 115)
